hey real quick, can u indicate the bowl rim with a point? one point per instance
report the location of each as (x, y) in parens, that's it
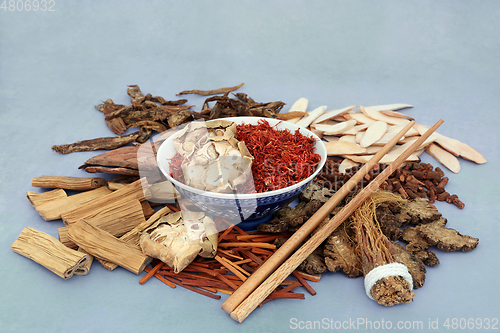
(320, 149)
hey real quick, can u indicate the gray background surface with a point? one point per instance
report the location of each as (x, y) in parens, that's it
(440, 56)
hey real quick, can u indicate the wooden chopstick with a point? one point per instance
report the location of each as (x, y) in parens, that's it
(259, 294)
(305, 230)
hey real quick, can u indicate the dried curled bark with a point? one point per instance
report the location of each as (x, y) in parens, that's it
(122, 160)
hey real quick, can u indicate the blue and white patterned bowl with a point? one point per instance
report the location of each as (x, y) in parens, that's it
(242, 207)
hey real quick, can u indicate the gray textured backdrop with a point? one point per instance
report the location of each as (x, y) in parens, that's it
(440, 56)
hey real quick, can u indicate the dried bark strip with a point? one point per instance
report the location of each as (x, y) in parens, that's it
(93, 208)
(107, 143)
(54, 209)
(68, 183)
(210, 92)
(48, 252)
(103, 245)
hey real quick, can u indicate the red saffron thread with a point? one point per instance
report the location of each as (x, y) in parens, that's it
(281, 158)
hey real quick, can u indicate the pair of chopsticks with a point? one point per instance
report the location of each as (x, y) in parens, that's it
(261, 283)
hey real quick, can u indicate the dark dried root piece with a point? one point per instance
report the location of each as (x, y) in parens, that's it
(314, 263)
(210, 92)
(114, 170)
(418, 211)
(392, 290)
(340, 255)
(107, 143)
(447, 239)
(415, 266)
(290, 218)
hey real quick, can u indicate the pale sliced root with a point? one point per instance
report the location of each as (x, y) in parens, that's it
(293, 120)
(361, 118)
(382, 141)
(347, 164)
(454, 146)
(393, 129)
(372, 150)
(409, 141)
(333, 113)
(388, 158)
(444, 157)
(396, 114)
(377, 115)
(335, 129)
(330, 138)
(342, 148)
(390, 107)
(318, 133)
(373, 133)
(348, 138)
(311, 116)
(299, 105)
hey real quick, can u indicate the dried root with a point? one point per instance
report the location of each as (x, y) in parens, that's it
(392, 290)
(340, 254)
(447, 239)
(289, 218)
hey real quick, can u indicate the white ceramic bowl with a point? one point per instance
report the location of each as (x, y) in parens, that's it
(257, 207)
